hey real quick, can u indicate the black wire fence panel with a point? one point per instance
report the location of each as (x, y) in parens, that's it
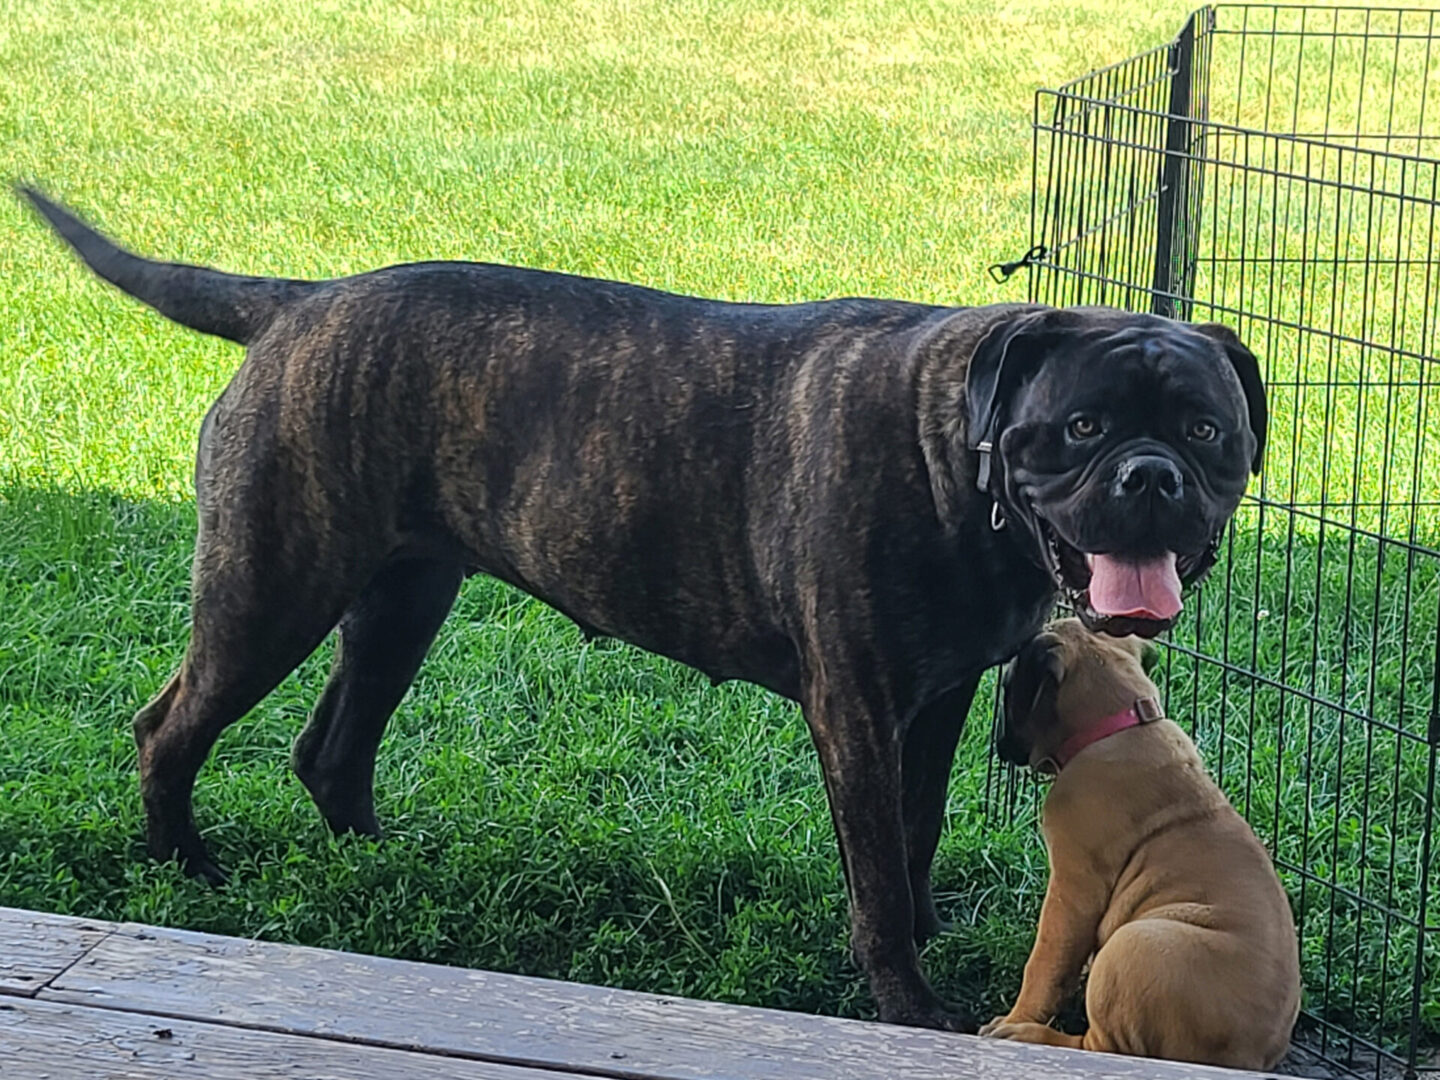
(1277, 169)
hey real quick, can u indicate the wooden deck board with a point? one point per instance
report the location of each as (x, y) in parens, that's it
(42, 1040)
(34, 948)
(485, 1016)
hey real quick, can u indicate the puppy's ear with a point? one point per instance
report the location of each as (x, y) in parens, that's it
(1000, 363)
(1029, 684)
(1149, 656)
(1248, 369)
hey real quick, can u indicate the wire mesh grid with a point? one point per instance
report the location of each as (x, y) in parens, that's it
(1277, 168)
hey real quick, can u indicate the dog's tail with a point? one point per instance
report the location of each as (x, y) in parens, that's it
(227, 305)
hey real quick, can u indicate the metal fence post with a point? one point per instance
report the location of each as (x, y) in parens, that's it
(1170, 214)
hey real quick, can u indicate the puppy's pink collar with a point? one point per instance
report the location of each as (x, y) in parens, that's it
(1146, 710)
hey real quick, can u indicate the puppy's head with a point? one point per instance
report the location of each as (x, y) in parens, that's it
(1062, 681)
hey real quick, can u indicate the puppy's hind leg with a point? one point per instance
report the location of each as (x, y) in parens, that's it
(383, 638)
(1167, 988)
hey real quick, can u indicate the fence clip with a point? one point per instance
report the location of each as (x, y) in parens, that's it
(1001, 272)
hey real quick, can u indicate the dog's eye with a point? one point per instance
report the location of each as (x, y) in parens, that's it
(1084, 427)
(1203, 431)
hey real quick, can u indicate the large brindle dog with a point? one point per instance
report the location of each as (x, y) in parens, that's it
(858, 504)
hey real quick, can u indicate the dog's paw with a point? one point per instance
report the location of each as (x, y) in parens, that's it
(937, 1015)
(202, 869)
(958, 1020)
(928, 930)
(948, 1018)
(1000, 1029)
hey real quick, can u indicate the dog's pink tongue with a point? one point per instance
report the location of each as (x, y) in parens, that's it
(1145, 590)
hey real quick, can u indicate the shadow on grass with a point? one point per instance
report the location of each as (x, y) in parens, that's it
(557, 808)
(588, 812)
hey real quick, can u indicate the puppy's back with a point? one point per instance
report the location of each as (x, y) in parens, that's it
(1196, 901)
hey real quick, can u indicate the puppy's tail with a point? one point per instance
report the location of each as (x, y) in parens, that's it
(227, 305)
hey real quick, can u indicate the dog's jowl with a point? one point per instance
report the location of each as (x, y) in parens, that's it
(859, 504)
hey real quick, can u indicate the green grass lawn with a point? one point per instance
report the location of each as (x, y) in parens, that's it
(555, 807)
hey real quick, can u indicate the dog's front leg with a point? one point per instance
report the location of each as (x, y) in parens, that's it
(860, 756)
(1075, 902)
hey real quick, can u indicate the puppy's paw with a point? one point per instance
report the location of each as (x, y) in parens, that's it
(986, 1030)
(1008, 1020)
(1001, 1029)
(1027, 1032)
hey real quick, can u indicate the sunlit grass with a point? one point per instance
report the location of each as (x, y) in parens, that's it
(556, 807)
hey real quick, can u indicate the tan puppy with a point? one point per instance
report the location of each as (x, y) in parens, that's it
(1151, 871)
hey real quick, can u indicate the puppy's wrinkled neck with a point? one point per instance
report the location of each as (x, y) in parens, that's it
(1102, 683)
(1145, 710)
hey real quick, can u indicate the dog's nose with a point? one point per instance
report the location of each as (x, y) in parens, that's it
(1148, 474)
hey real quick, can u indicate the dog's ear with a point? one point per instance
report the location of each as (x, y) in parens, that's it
(1005, 356)
(1248, 369)
(1029, 684)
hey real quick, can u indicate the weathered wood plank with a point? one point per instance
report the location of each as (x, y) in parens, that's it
(41, 1040)
(538, 1022)
(34, 947)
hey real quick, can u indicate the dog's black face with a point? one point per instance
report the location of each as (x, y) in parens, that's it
(1122, 445)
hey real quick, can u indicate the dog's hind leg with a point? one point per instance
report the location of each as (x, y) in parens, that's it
(1169, 988)
(925, 777)
(262, 600)
(383, 638)
(226, 671)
